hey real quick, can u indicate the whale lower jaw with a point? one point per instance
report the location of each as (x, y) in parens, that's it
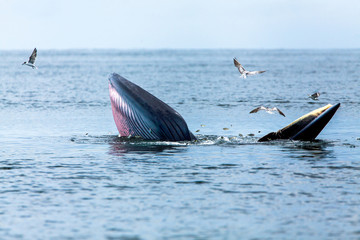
(305, 128)
(136, 112)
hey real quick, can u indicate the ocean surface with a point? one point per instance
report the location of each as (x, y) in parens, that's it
(65, 173)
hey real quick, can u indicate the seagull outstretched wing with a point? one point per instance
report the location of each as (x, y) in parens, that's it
(281, 113)
(33, 56)
(255, 72)
(239, 66)
(258, 109)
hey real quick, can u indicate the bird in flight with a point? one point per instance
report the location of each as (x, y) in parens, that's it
(31, 62)
(268, 110)
(242, 70)
(315, 96)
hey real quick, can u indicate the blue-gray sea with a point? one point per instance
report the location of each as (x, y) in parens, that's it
(65, 173)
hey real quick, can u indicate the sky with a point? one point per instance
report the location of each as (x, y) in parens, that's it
(170, 24)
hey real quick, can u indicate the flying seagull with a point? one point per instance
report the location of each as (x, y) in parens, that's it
(242, 70)
(268, 110)
(314, 96)
(31, 62)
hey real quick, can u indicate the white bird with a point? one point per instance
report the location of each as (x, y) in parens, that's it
(314, 96)
(268, 110)
(31, 62)
(242, 70)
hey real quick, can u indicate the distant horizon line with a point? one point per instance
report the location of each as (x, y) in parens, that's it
(165, 49)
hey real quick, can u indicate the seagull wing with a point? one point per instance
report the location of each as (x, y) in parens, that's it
(33, 56)
(255, 72)
(281, 113)
(258, 109)
(239, 66)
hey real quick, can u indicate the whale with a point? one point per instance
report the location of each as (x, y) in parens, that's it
(305, 128)
(138, 113)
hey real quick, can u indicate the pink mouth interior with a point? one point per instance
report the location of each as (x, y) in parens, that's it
(120, 118)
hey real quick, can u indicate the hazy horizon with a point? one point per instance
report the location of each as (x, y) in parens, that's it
(170, 49)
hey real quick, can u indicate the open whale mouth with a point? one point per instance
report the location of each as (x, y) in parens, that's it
(305, 128)
(138, 113)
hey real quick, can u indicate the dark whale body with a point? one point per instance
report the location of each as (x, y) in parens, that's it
(138, 113)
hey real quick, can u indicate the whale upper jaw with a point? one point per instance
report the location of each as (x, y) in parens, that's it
(305, 128)
(138, 113)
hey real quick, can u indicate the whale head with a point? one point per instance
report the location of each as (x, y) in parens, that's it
(139, 113)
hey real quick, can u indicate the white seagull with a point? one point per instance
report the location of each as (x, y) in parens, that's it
(315, 96)
(242, 70)
(268, 110)
(31, 62)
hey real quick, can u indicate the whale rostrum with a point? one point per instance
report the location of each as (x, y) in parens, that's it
(305, 128)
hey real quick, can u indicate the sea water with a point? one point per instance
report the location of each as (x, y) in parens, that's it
(65, 173)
